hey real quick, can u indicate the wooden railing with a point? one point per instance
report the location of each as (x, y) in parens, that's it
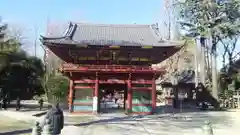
(66, 67)
(106, 66)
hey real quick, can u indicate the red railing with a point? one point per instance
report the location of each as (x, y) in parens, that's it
(105, 66)
(68, 67)
(88, 81)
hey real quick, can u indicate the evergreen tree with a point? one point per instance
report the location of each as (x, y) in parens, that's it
(214, 19)
(20, 74)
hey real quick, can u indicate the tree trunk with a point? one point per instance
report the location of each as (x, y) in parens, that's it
(214, 69)
(202, 64)
(196, 64)
(208, 63)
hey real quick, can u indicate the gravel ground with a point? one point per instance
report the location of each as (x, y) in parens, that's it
(180, 124)
(164, 124)
(8, 125)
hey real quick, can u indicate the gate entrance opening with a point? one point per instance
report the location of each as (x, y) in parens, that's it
(112, 98)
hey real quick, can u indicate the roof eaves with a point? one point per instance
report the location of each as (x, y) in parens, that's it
(167, 43)
(60, 42)
(68, 35)
(70, 31)
(45, 40)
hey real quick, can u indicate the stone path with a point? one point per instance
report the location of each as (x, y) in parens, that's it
(180, 124)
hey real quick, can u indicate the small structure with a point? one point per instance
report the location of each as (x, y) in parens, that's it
(207, 128)
(107, 57)
(47, 129)
(179, 81)
(236, 97)
(36, 129)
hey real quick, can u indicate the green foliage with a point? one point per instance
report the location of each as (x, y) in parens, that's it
(236, 81)
(7, 45)
(229, 83)
(224, 80)
(57, 87)
(216, 18)
(20, 75)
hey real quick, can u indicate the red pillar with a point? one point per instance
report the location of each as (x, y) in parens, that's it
(96, 93)
(70, 96)
(96, 105)
(153, 95)
(129, 95)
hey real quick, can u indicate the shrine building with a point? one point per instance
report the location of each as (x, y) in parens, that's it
(100, 59)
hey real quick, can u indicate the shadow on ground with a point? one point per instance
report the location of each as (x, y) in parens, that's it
(172, 121)
(17, 132)
(168, 119)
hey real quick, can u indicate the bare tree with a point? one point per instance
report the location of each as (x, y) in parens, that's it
(229, 45)
(180, 61)
(16, 31)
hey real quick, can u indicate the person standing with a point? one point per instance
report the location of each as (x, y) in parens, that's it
(1, 99)
(40, 104)
(1, 103)
(18, 104)
(4, 105)
(55, 115)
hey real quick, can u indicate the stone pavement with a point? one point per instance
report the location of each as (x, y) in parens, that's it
(187, 123)
(180, 124)
(30, 116)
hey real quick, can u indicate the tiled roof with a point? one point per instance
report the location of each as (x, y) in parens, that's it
(185, 76)
(107, 34)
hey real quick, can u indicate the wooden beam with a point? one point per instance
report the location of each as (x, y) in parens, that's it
(113, 82)
(83, 87)
(142, 88)
(142, 82)
(84, 81)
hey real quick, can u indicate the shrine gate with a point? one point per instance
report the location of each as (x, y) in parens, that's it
(109, 54)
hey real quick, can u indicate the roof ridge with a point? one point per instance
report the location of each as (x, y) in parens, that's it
(112, 25)
(102, 34)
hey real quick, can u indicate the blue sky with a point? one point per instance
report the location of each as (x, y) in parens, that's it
(31, 14)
